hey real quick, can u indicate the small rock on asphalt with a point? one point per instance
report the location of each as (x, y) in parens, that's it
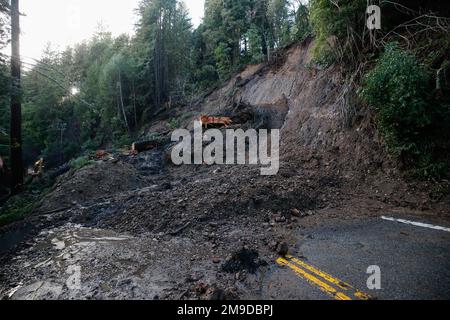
(283, 249)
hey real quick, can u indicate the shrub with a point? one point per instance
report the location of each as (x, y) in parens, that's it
(20, 206)
(207, 76)
(400, 90)
(174, 123)
(17, 208)
(80, 163)
(224, 63)
(329, 20)
(302, 27)
(121, 140)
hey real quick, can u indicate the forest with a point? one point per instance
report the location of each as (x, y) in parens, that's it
(104, 90)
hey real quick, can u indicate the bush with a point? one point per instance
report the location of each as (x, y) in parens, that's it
(20, 206)
(80, 163)
(174, 123)
(224, 63)
(207, 76)
(254, 43)
(17, 208)
(329, 20)
(122, 140)
(400, 90)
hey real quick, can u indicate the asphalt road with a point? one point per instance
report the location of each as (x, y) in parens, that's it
(331, 262)
(326, 262)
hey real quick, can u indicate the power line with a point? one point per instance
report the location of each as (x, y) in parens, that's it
(40, 62)
(68, 90)
(51, 68)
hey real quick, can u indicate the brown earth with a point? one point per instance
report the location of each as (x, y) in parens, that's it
(333, 167)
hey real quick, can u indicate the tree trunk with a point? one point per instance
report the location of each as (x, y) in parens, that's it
(265, 51)
(159, 64)
(144, 146)
(122, 105)
(134, 105)
(16, 107)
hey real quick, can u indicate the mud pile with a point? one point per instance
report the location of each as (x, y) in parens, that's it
(331, 157)
(91, 184)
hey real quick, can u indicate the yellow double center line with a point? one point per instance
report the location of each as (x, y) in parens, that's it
(338, 289)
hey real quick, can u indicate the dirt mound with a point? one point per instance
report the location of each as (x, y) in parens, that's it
(330, 155)
(92, 184)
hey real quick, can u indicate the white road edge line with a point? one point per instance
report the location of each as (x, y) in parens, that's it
(417, 224)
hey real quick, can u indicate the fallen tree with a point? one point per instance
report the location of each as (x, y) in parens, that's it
(143, 146)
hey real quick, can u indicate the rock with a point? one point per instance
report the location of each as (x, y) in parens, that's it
(283, 249)
(273, 245)
(214, 294)
(231, 294)
(166, 186)
(201, 288)
(241, 276)
(216, 260)
(296, 213)
(243, 260)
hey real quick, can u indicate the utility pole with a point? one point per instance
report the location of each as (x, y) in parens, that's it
(119, 84)
(61, 127)
(16, 106)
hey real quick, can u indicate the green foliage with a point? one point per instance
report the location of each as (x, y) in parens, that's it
(123, 140)
(163, 42)
(122, 82)
(237, 32)
(341, 34)
(278, 16)
(174, 123)
(255, 42)
(207, 76)
(223, 57)
(20, 206)
(302, 27)
(80, 163)
(17, 208)
(4, 111)
(331, 20)
(4, 22)
(412, 123)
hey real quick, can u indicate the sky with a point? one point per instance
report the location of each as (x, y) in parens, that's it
(66, 22)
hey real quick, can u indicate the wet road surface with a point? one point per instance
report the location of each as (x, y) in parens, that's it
(414, 262)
